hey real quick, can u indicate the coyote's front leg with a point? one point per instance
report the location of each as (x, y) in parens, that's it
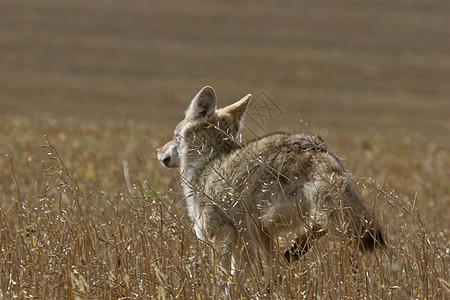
(223, 241)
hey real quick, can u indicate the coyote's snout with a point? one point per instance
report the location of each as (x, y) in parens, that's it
(168, 155)
(241, 197)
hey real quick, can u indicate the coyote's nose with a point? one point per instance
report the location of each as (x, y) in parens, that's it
(164, 159)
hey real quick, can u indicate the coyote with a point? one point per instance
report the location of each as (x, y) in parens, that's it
(242, 196)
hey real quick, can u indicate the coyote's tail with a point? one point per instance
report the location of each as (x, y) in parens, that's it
(364, 230)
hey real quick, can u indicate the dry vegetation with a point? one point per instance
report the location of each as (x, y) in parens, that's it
(85, 86)
(69, 227)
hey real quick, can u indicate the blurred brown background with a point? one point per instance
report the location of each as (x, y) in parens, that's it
(354, 65)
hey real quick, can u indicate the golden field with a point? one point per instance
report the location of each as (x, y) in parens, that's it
(88, 85)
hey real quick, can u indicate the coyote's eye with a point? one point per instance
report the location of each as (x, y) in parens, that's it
(176, 137)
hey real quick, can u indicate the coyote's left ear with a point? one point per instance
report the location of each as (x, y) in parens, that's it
(203, 105)
(238, 109)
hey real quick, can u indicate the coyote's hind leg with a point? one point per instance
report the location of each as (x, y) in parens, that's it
(303, 243)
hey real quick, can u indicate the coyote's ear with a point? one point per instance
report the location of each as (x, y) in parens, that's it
(203, 105)
(237, 109)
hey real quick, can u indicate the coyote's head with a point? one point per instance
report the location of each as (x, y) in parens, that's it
(205, 134)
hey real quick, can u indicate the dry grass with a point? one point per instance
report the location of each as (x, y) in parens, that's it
(70, 228)
(107, 80)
